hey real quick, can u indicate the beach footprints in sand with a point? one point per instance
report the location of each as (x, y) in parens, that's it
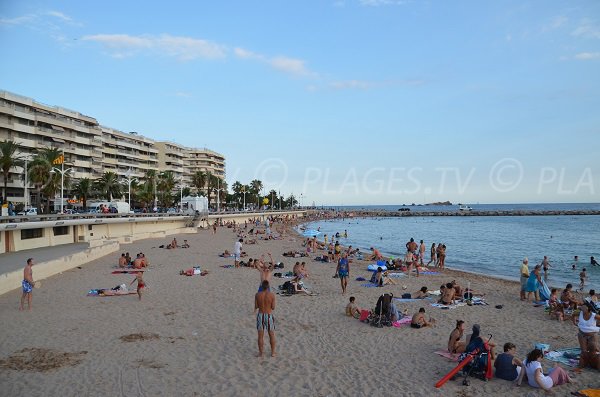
(41, 360)
(139, 337)
(148, 363)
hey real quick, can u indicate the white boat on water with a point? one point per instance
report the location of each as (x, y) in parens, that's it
(464, 207)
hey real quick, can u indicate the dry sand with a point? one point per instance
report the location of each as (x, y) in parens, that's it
(196, 336)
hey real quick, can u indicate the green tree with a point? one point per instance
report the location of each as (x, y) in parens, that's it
(199, 182)
(46, 183)
(8, 159)
(84, 188)
(108, 185)
(255, 187)
(165, 185)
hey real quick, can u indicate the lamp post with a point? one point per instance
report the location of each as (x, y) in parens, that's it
(280, 200)
(25, 184)
(181, 195)
(129, 180)
(62, 173)
(272, 201)
(219, 190)
(244, 192)
(301, 200)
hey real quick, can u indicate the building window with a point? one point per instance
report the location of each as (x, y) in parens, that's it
(27, 234)
(60, 230)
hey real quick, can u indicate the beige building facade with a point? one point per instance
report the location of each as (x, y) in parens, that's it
(92, 149)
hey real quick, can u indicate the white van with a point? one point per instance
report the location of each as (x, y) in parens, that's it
(121, 207)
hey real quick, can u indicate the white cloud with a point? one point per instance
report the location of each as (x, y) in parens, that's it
(587, 29)
(287, 65)
(182, 48)
(22, 20)
(586, 56)
(60, 15)
(351, 84)
(558, 21)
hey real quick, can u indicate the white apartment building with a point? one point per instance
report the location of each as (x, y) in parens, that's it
(91, 149)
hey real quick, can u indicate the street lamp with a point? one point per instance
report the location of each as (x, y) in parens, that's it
(219, 190)
(244, 191)
(62, 173)
(129, 180)
(301, 200)
(280, 200)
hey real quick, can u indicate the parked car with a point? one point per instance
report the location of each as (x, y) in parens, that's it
(30, 211)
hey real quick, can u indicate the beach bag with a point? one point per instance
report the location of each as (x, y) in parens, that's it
(406, 296)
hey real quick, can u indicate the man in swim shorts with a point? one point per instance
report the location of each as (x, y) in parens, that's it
(418, 320)
(27, 284)
(264, 304)
(343, 271)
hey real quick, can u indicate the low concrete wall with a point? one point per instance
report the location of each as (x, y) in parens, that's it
(12, 280)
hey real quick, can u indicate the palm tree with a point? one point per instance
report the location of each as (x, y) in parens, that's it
(199, 181)
(84, 189)
(8, 160)
(43, 179)
(238, 191)
(108, 185)
(166, 184)
(256, 186)
(148, 190)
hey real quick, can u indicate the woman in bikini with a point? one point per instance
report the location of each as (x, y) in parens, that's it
(140, 283)
(454, 342)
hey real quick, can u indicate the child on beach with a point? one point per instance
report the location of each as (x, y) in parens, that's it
(352, 309)
(582, 278)
(140, 283)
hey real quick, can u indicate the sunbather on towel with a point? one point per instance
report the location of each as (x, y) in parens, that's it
(455, 345)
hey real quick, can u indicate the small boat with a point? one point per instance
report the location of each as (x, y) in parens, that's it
(464, 207)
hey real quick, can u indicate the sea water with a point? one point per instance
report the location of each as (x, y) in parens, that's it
(489, 245)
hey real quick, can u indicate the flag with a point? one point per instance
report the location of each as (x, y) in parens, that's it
(59, 160)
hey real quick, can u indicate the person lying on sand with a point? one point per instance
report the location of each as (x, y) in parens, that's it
(418, 320)
(193, 272)
(421, 294)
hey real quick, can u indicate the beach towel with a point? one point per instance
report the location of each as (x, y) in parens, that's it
(569, 356)
(448, 355)
(227, 266)
(412, 299)
(101, 292)
(402, 321)
(128, 271)
(361, 279)
(454, 306)
(587, 393)
(395, 275)
(369, 285)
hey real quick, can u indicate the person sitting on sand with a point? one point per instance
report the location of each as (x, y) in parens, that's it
(448, 295)
(375, 255)
(455, 345)
(381, 279)
(556, 308)
(418, 320)
(145, 262)
(475, 341)
(352, 309)
(458, 291)
(421, 294)
(299, 287)
(535, 375)
(122, 261)
(508, 367)
(568, 298)
(137, 262)
(185, 244)
(128, 259)
(173, 244)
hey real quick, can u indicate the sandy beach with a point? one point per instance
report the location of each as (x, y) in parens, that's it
(196, 336)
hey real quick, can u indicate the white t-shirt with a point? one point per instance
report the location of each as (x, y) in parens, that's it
(530, 371)
(238, 248)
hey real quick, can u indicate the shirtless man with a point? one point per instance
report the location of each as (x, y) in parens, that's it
(145, 262)
(27, 285)
(568, 298)
(264, 304)
(376, 255)
(448, 295)
(418, 320)
(454, 342)
(266, 271)
(422, 250)
(421, 294)
(545, 266)
(411, 246)
(140, 283)
(137, 262)
(122, 261)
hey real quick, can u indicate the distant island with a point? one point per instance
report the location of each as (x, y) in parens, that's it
(441, 203)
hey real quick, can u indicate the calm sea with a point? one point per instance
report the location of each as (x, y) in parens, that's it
(487, 245)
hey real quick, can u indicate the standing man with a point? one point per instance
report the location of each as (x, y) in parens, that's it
(237, 252)
(411, 246)
(27, 284)
(545, 265)
(422, 250)
(265, 270)
(524, 277)
(264, 303)
(343, 271)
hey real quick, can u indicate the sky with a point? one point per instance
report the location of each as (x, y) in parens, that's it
(338, 102)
